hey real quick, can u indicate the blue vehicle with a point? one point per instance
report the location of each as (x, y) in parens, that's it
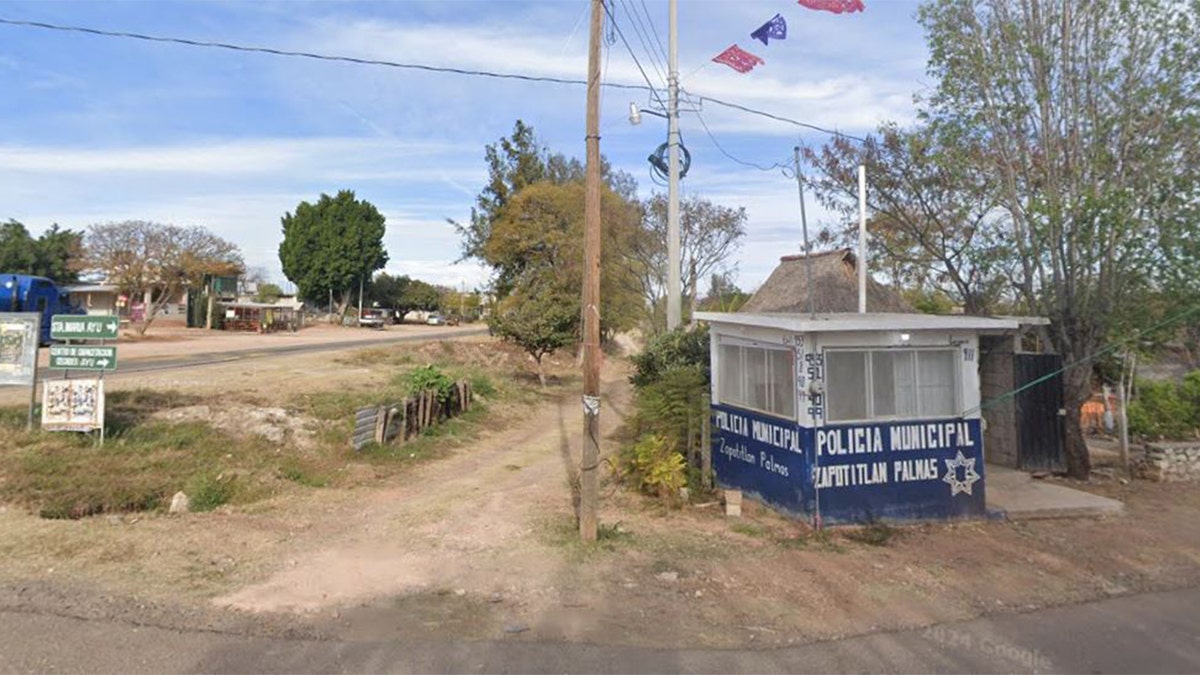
(25, 293)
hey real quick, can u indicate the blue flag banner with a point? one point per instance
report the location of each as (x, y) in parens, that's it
(774, 29)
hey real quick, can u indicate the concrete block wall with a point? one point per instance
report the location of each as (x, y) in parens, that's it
(1000, 419)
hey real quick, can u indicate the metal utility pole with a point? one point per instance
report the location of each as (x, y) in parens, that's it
(589, 492)
(674, 287)
(812, 310)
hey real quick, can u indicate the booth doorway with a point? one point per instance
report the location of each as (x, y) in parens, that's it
(1040, 419)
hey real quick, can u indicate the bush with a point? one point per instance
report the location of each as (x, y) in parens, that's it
(429, 377)
(686, 348)
(656, 467)
(1166, 410)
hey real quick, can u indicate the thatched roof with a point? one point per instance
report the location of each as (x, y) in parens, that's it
(835, 287)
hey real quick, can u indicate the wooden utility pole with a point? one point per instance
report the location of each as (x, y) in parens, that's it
(589, 493)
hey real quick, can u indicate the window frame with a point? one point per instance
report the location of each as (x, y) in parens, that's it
(868, 355)
(744, 387)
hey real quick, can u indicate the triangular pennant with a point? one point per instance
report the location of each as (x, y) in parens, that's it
(775, 28)
(835, 6)
(739, 59)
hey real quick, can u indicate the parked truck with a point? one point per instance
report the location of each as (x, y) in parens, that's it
(26, 293)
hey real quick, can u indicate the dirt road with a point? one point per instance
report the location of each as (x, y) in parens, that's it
(480, 545)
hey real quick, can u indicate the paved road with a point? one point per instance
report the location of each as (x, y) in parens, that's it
(141, 365)
(1151, 633)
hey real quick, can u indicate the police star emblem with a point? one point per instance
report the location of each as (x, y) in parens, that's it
(969, 474)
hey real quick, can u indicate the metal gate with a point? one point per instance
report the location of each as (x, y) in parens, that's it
(1041, 423)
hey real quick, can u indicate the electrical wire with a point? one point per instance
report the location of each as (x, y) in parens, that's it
(778, 118)
(729, 156)
(629, 48)
(654, 28)
(649, 86)
(313, 55)
(643, 36)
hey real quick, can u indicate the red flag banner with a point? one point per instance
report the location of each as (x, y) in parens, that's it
(739, 59)
(835, 6)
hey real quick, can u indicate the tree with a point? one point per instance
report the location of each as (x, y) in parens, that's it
(403, 293)
(268, 293)
(55, 254)
(156, 261)
(723, 295)
(934, 227)
(515, 163)
(1086, 121)
(539, 236)
(332, 246)
(540, 316)
(17, 249)
(709, 234)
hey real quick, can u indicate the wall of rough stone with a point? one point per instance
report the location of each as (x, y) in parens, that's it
(1171, 462)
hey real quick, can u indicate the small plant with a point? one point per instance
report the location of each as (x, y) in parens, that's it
(748, 529)
(657, 467)
(206, 492)
(872, 534)
(429, 377)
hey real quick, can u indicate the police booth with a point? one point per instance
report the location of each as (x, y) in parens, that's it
(850, 418)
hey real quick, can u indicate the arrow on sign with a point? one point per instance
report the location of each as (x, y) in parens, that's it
(102, 362)
(112, 327)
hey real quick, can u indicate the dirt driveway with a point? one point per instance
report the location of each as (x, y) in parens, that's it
(480, 545)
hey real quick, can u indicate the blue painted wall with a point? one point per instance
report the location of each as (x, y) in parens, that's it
(897, 471)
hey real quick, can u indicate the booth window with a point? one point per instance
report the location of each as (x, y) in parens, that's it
(891, 384)
(758, 378)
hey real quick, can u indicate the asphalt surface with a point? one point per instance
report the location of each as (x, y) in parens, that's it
(1149, 633)
(142, 365)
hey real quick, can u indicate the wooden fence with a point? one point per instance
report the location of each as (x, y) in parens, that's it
(397, 423)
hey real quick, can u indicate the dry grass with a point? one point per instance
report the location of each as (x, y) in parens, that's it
(146, 458)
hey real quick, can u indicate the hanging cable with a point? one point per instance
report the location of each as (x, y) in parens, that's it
(729, 156)
(636, 62)
(649, 86)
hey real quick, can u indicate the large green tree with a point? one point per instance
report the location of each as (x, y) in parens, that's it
(155, 261)
(539, 235)
(332, 246)
(514, 163)
(56, 253)
(1086, 120)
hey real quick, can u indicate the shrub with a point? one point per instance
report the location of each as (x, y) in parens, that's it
(429, 377)
(686, 348)
(656, 466)
(1166, 409)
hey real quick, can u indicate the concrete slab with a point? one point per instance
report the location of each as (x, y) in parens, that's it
(1020, 497)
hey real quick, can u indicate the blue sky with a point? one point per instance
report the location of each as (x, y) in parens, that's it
(96, 129)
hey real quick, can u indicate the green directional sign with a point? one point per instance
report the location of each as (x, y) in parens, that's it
(78, 327)
(83, 357)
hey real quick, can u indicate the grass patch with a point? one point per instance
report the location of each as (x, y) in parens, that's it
(563, 533)
(872, 534)
(748, 529)
(147, 459)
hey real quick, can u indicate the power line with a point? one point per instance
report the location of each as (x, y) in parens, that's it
(313, 55)
(778, 118)
(661, 49)
(628, 48)
(644, 37)
(729, 156)
(649, 86)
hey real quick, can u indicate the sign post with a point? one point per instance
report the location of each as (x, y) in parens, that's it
(83, 357)
(78, 405)
(82, 327)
